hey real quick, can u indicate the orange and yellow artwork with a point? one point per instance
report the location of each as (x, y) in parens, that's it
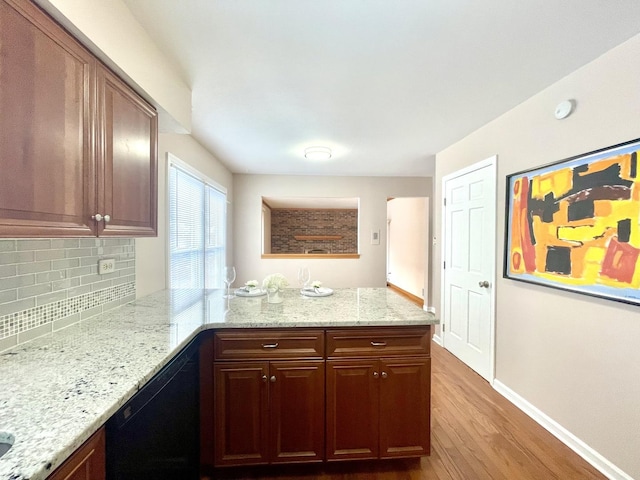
(575, 224)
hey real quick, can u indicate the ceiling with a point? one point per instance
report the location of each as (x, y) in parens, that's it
(385, 84)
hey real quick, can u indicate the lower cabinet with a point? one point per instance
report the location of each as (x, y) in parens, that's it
(268, 412)
(86, 463)
(266, 399)
(304, 395)
(378, 408)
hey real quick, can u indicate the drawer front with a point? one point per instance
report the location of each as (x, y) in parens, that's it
(378, 342)
(268, 344)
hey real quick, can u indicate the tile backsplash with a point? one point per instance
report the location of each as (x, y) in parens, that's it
(47, 284)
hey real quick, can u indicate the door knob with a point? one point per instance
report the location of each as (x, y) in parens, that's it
(483, 284)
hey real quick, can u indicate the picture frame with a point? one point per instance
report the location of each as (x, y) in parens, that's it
(574, 224)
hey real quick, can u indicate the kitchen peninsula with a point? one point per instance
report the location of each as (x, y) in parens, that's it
(58, 390)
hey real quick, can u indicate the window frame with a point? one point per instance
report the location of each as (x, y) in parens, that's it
(174, 161)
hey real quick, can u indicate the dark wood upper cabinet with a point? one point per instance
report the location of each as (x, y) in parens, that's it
(46, 155)
(127, 159)
(75, 141)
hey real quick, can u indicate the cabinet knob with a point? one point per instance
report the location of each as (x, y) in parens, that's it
(107, 218)
(375, 374)
(384, 375)
(273, 379)
(264, 378)
(97, 217)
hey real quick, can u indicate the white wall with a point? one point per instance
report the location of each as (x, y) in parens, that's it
(574, 357)
(152, 253)
(111, 31)
(408, 236)
(367, 271)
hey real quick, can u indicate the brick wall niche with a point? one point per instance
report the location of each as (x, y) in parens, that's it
(287, 223)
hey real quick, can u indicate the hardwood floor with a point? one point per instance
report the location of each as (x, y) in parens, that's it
(476, 434)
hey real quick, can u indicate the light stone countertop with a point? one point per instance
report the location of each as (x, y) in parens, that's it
(57, 390)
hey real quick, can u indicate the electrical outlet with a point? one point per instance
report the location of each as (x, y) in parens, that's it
(106, 265)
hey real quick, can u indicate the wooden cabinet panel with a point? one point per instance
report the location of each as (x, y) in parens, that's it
(127, 160)
(241, 413)
(357, 405)
(276, 344)
(45, 127)
(352, 409)
(86, 463)
(405, 405)
(75, 141)
(296, 396)
(377, 342)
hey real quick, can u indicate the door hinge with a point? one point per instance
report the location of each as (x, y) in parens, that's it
(445, 202)
(444, 265)
(443, 325)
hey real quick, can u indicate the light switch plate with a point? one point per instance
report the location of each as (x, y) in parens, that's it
(106, 265)
(375, 237)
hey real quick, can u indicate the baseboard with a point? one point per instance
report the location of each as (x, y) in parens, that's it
(565, 436)
(410, 296)
(437, 339)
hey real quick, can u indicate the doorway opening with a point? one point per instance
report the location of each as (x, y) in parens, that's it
(408, 247)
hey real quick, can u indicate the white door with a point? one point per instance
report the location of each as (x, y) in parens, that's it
(469, 265)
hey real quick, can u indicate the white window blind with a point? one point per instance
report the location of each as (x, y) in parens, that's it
(197, 219)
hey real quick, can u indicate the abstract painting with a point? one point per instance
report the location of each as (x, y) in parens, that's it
(575, 224)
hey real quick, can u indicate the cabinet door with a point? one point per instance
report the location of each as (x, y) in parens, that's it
(46, 162)
(87, 463)
(352, 409)
(241, 413)
(405, 403)
(296, 395)
(127, 160)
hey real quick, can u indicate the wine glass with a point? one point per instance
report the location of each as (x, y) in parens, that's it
(229, 278)
(304, 275)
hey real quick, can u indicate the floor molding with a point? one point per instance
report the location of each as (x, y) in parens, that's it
(414, 298)
(599, 462)
(437, 339)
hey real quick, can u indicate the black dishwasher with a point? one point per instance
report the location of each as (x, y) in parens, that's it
(155, 435)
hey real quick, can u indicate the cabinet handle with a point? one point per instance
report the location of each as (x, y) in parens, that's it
(384, 375)
(264, 378)
(378, 344)
(270, 345)
(375, 374)
(107, 218)
(273, 379)
(97, 217)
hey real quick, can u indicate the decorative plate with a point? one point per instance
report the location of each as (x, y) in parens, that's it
(316, 292)
(243, 292)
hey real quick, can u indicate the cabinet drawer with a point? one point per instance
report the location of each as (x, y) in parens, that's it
(378, 342)
(268, 344)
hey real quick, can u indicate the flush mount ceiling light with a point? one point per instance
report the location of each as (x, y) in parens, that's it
(317, 153)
